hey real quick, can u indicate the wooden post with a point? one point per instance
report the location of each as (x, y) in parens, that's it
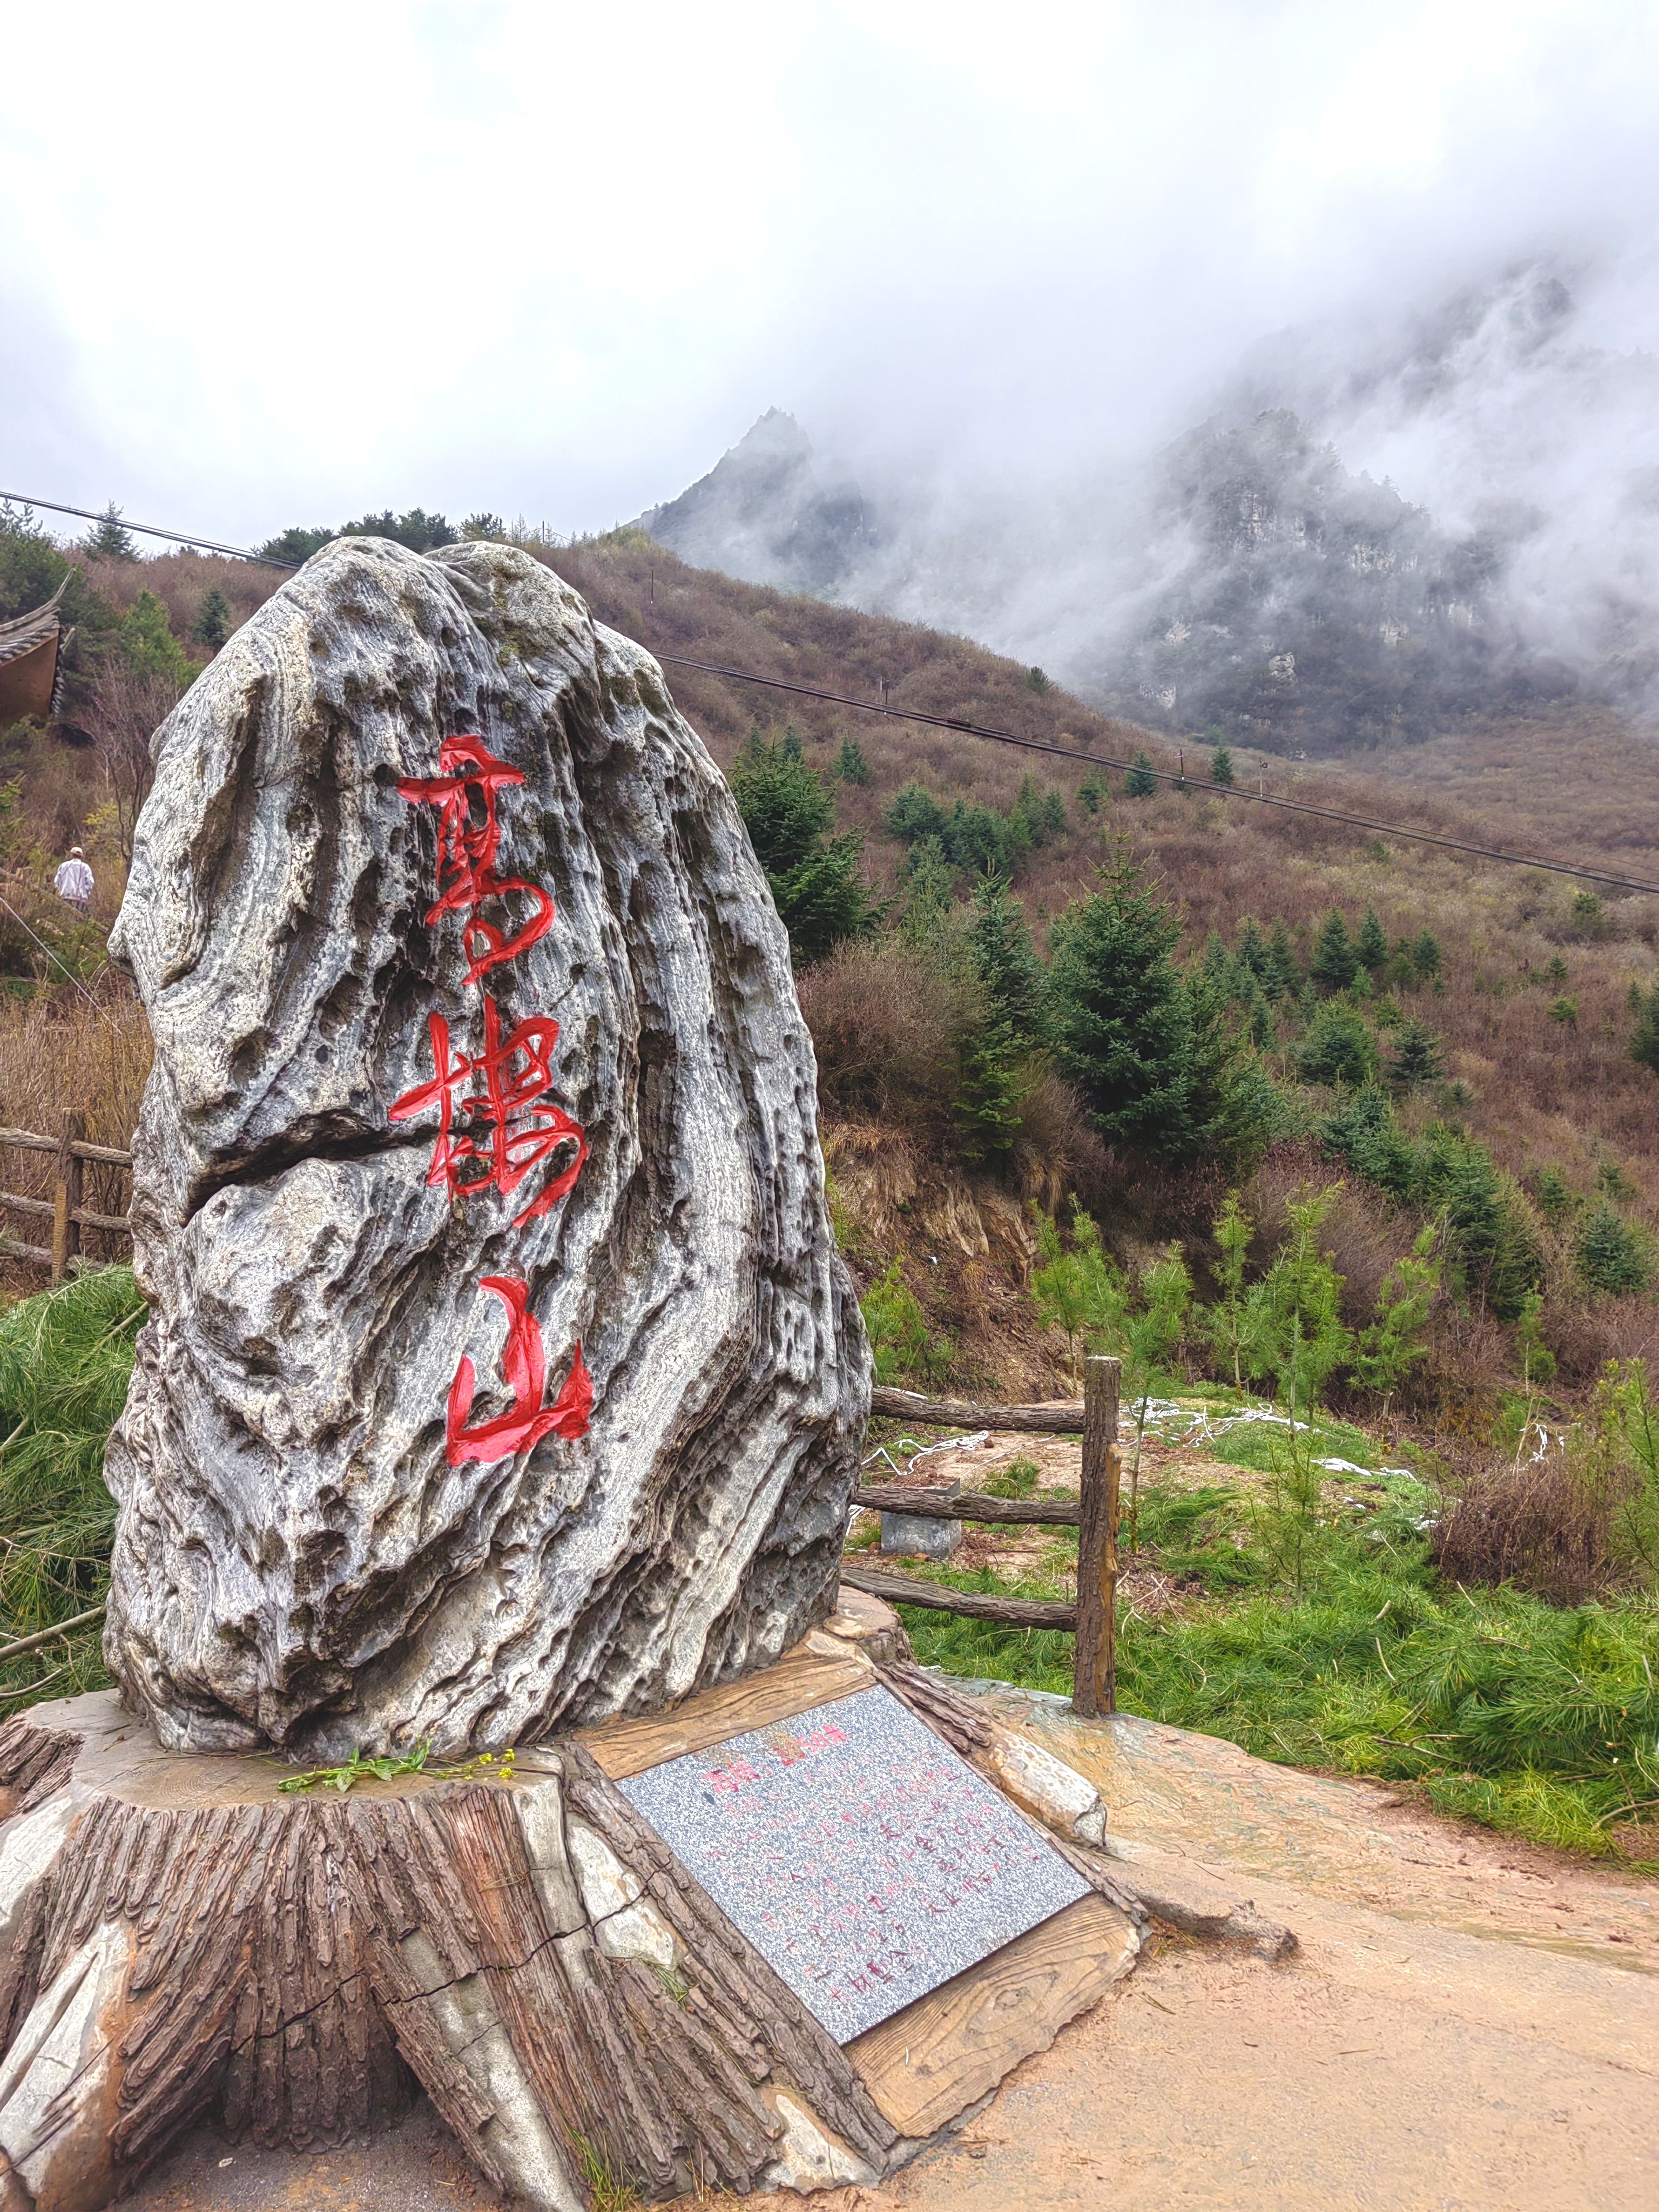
(1094, 1681)
(66, 1195)
(1107, 1675)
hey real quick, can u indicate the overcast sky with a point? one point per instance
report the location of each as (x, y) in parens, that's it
(274, 265)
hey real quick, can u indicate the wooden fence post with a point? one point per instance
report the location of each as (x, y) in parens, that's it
(66, 1195)
(1094, 1681)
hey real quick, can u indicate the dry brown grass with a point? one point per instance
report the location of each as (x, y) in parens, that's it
(1534, 1524)
(1571, 782)
(1542, 1095)
(181, 581)
(60, 1052)
(888, 1028)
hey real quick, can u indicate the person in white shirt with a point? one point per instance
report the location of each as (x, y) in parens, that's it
(73, 881)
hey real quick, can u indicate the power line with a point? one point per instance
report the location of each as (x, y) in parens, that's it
(53, 957)
(980, 730)
(1170, 776)
(146, 530)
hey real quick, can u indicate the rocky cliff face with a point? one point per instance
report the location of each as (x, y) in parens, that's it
(1299, 605)
(764, 513)
(501, 1368)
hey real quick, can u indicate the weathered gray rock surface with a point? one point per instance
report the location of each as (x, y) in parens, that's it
(299, 1558)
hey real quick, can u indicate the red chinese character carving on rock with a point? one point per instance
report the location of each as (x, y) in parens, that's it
(509, 1125)
(466, 851)
(524, 1367)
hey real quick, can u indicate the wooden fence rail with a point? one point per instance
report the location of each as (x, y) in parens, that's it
(64, 1209)
(1093, 1619)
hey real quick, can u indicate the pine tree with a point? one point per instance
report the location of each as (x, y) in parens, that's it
(111, 540)
(148, 642)
(1425, 958)
(1416, 1057)
(992, 1089)
(1091, 791)
(1335, 963)
(1221, 767)
(1371, 944)
(1118, 1011)
(1283, 955)
(1006, 959)
(1588, 918)
(851, 765)
(912, 812)
(1223, 1322)
(296, 543)
(1140, 782)
(1555, 1200)
(1644, 1037)
(1336, 1049)
(213, 622)
(1611, 1255)
(1252, 952)
(816, 881)
(930, 902)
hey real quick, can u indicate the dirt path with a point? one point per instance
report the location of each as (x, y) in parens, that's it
(1471, 2025)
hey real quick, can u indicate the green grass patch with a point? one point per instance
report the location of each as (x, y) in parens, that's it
(65, 1362)
(1253, 1444)
(1540, 1721)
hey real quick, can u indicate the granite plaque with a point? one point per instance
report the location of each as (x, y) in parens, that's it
(863, 1859)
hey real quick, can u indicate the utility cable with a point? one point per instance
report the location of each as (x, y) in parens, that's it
(146, 529)
(51, 956)
(980, 730)
(1170, 776)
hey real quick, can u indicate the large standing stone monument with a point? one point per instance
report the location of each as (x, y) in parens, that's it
(477, 1064)
(497, 1415)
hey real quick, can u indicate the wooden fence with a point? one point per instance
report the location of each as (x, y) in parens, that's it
(1093, 1619)
(64, 1208)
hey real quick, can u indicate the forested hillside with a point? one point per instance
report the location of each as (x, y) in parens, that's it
(1344, 1145)
(1035, 982)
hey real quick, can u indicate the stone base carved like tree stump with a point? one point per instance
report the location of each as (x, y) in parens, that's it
(181, 1941)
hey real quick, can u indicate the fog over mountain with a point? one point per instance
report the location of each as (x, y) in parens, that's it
(1380, 526)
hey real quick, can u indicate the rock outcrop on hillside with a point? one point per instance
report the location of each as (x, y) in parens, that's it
(481, 1099)
(764, 513)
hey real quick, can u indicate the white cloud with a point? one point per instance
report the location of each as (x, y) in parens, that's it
(272, 266)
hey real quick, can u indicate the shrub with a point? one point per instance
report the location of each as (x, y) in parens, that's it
(889, 1024)
(65, 1361)
(1534, 1523)
(1057, 1151)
